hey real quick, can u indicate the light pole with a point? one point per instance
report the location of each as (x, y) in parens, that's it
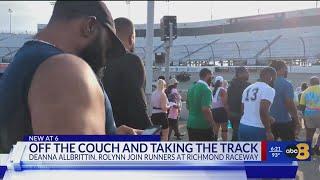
(211, 9)
(10, 12)
(129, 8)
(149, 51)
(168, 3)
(168, 44)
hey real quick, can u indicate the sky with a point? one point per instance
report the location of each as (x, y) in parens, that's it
(27, 14)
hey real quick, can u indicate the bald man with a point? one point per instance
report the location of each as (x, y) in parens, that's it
(124, 81)
(51, 85)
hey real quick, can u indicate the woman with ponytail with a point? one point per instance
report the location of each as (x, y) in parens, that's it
(220, 106)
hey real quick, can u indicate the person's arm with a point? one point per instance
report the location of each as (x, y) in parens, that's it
(187, 101)
(267, 97)
(126, 130)
(66, 98)
(291, 107)
(224, 96)
(242, 108)
(208, 115)
(206, 101)
(242, 101)
(302, 103)
(266, 118)
(229, 95)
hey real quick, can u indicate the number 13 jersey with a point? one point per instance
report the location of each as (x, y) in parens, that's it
(251, 98)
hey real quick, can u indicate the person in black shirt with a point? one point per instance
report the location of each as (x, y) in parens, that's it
(304, 86)
(238, 84)
(124, 81)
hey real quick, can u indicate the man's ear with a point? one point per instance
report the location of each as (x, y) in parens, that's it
(89, 26)
(131, 40)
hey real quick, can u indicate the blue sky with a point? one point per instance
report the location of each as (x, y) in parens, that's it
(27, 14)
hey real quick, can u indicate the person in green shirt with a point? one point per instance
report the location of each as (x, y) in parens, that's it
(201, 126)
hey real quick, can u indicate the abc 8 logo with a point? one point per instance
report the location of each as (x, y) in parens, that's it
(299, 151)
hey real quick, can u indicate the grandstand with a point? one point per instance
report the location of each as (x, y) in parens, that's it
(252, 40)
(293, 36)
(10, 43)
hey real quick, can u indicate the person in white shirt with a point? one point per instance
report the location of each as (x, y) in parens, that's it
(160, 107)
(220, 106)
(255, 124)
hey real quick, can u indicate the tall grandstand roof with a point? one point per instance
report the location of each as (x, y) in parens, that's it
(287, 14)
(285, 35)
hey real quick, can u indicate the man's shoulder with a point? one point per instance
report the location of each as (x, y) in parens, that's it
(132, 55)
(66, 64)
(316, 88)
(287, 83)
(263, 85)
(203, 88)
(270, 89)
(251, 85)
(192, 88)
(312, 89)
(131, 58)
(124, 62)
(283, 82)
(124, 59)
(66, 72)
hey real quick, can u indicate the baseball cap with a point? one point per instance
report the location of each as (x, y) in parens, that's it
(218, 78)
(173, 81)
(103, 15)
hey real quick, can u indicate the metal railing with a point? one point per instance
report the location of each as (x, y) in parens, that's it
(304, 48)
(277, 48)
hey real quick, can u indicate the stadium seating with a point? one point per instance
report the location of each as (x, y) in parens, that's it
(293, 43)
(10, 43)
(301, 42)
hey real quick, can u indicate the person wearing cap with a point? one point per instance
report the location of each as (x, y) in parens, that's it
(173, 115)
(124, 80)
(160, 106)
(220, 106)
(51, 87)
(237, 85)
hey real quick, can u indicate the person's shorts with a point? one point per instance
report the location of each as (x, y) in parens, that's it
(173, 122)
(312, 121)
(284, 131)
(160, 119)
(220, 115)
(251, 133)
(201, 134)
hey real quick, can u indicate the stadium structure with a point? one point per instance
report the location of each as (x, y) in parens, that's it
(251, 41)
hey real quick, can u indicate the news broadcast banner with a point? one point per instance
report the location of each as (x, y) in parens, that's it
(259, 159)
